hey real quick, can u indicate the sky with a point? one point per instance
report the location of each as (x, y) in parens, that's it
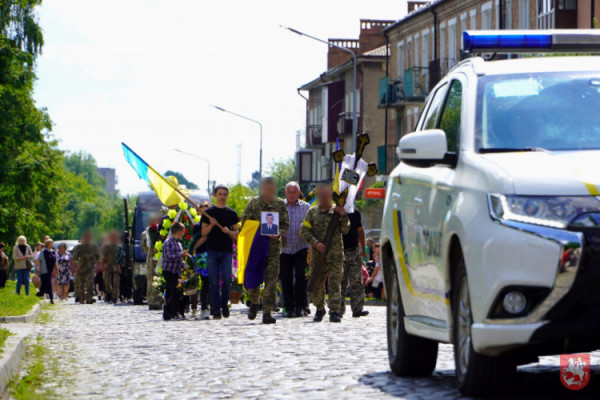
(145, 72)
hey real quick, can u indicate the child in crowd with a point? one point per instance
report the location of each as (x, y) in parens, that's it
(173, 256)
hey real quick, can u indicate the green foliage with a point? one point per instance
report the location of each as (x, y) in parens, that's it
(4, 334)
(12, 304)
(284, 171)
(239, 196)
(40, 363)
(255, 181)
(182, 180)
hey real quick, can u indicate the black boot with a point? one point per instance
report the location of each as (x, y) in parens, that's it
(299, 312)
(361, 313)
(268, 319)
(334, 317)
(253, 311)
(319, 315)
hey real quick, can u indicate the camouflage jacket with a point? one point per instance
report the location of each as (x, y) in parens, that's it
(148, 248)
(109, 252)
(257, 205)
(86, 255)
(315, 226)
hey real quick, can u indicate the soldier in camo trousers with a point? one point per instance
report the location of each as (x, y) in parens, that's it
(148, 241)
(354, 251)
(85, 256)
(267, 201)
(111, 276)
(313, 231)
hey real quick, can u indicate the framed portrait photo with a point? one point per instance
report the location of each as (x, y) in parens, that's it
(269, 223)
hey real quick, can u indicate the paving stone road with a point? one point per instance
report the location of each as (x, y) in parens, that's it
(128, 352)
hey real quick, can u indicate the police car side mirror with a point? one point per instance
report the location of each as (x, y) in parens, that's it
(424, 148)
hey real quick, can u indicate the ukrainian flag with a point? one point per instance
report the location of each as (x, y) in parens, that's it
(166, 188)
(338, 168)
(252, 253)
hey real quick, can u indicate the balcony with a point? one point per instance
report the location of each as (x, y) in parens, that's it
(344, 123)
(412, 89)
(315, 134)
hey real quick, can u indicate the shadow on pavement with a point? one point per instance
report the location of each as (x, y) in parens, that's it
(531, 382)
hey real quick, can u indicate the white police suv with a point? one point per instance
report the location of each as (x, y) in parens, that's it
(491, 228)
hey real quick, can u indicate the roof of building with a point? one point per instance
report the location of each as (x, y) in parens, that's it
(342, 68)
(415, 13)
(380, 51)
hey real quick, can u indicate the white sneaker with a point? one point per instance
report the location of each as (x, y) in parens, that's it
(205, 314)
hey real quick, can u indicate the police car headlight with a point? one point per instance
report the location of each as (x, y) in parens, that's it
(555, 212)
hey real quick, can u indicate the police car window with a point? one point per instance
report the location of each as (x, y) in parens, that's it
(435, 105)
(543, 111)
(450, 121)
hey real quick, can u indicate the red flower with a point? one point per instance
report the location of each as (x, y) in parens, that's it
(186, 231)
(187, 237)
(184, 218)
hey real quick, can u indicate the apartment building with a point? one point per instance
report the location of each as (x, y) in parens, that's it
(329, 102)
(426, 43)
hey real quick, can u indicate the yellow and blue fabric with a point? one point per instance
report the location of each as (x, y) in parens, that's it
(338, 168)
(252, 253)
(165, 188)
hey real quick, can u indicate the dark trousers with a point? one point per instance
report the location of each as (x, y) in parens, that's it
(46, 287)
(3, 278)
(292, 271)
(172, 307)
(204, 292)
(219, 273)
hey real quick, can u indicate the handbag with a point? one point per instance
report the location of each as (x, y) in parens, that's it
(37, 282)
(29, 264)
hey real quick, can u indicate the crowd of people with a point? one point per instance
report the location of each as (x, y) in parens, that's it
(293, 241)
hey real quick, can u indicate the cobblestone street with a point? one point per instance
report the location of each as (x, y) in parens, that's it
(127, 352)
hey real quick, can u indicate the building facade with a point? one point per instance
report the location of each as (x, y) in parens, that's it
(110, 177)
(329, 102)
(425, 44)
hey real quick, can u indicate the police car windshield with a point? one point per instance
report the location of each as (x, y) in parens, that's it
(548, 111)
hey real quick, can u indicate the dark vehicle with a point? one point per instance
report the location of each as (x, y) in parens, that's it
(147, 205)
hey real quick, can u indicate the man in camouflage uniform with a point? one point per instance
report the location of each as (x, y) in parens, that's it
(354, 251)
(313, 231)
(85, 256)
(267, 201)
(111, 276)
(148, 241)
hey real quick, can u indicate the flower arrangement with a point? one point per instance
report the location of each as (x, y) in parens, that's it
(183, 213)
(159, 283)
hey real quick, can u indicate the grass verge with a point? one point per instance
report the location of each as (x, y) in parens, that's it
(12, 304)
(4, 334)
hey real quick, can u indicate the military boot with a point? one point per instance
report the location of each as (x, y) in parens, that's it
(253, 311)
(268, 319)
(335, 317)
(319, 315)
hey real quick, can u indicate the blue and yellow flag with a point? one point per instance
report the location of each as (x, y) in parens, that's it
(165, 188)
(338, 167)
(252, 253)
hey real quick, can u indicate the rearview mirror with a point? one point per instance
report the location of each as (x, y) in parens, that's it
(424, 148)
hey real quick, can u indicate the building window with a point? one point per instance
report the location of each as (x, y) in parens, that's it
(508, 14)
(417, 51)
(486, 16)
(409, 53)
(463, 22)
(425, 50)
(443, 41)
(473, 18)
(567, 4)
(401, 61)
(523, 14)
(452, 43)
(545, 14)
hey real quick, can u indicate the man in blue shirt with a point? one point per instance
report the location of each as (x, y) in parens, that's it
(293, 255)
(173, 256)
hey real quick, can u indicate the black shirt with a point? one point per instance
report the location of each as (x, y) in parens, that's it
(217, 240)
(351, 238)
(196, 230)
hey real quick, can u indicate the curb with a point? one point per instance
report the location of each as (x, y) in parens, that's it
(27, 318)
(10, 359)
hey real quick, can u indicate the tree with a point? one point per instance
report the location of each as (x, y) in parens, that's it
(254, 183)
(239, 196)
(283, 171)
(182, 180)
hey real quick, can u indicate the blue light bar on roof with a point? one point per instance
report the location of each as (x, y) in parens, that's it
(530, 41)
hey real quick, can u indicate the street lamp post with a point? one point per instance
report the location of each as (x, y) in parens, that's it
(261, 133)
(354, 85)
(200, 158)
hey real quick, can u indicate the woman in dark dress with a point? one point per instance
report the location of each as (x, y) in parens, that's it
(47, 269)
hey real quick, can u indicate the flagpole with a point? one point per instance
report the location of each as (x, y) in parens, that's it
(173, 186)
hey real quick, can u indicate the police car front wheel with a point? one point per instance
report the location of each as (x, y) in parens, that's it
(408, 355)
(477, 374)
